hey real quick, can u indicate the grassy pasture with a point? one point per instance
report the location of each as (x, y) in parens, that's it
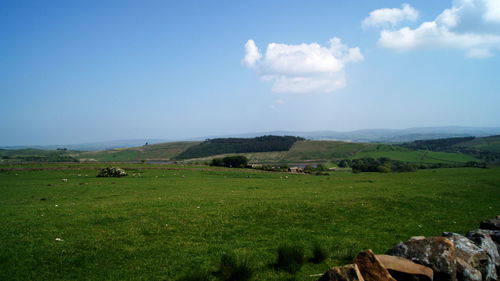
(159, 224)
(418, 156)
(323, 150)
(491, 143)
(161, 151)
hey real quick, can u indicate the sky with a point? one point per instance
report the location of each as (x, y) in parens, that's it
(85, 71)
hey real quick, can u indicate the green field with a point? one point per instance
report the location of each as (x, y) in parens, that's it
(414, 156)
(323, 150)
(486, 143)
(159, 152)
(301, 152)
(164, 221)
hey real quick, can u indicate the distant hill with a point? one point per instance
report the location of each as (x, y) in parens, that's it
(151, 152)
(309, 152)
(365, 136)
(36, 155)
(300, 151)
(378, 135)
(239, 145)
(91, 146)
(486, 148)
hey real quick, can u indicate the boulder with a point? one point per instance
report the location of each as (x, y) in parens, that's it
(111, 172)
(405, 270)
(491, 224)
(437, 253)
(371, 268)
(465, 272)
(493, 234)
(348, 272)
(470, 252)
(484, 240)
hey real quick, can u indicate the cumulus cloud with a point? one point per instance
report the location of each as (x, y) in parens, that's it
(391, 17)
(469, 25)
(252, 54)
(303, 68)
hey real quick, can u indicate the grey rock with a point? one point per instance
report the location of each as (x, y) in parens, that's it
(438, 253)
(492, 224)
(472, 254)
(485, 241)
(348, 272)
(465, 272)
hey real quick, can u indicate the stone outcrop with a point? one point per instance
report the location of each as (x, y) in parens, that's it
(405, 270)
(465, 272)
(475, 235)
(492, 224)
(477, 257)
(348, 272)
(452, 257)
(437, 253)
(111, 172)
(371, 268)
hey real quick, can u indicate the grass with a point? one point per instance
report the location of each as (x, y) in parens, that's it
(416, 156)
(323, 150)
(158, 152)
(290, 258)
(165, 224)
(197, 275)
(320, 253)
(234, 268)
(491, 143)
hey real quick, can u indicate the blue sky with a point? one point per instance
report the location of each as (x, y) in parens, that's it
(82, 71)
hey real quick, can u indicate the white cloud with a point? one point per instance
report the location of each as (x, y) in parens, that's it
(392, 17)
(252, 54)
(305, 68)
(469, 25)
(492, 11)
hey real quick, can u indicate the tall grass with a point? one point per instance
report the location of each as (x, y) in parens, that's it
(320, 253)
(290, 258)
(234, 268)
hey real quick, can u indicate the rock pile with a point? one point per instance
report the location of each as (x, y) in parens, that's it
(111, 172)
(451, 257)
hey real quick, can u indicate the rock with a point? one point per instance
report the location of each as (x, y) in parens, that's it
(371, 268)
(470, 252)
(437, 253)
(484, 240)
(405, 270)
(111, 172)
(348, 272)
(465, 272)
(492, 224)
(494, 235)
(417, 238)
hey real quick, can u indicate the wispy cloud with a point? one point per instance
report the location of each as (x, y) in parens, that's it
(302, 68)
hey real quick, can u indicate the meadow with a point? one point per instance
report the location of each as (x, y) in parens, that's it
(164, 221)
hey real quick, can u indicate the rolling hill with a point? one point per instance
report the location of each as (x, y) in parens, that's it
(294, 151)
(153, 152)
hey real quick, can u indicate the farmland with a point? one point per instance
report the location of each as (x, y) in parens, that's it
(304, 151)
(163, 221)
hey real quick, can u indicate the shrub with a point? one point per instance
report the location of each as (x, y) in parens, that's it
(290, 258)
(320, 253)
(234, 268)
(236, 161)
(111, 172)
